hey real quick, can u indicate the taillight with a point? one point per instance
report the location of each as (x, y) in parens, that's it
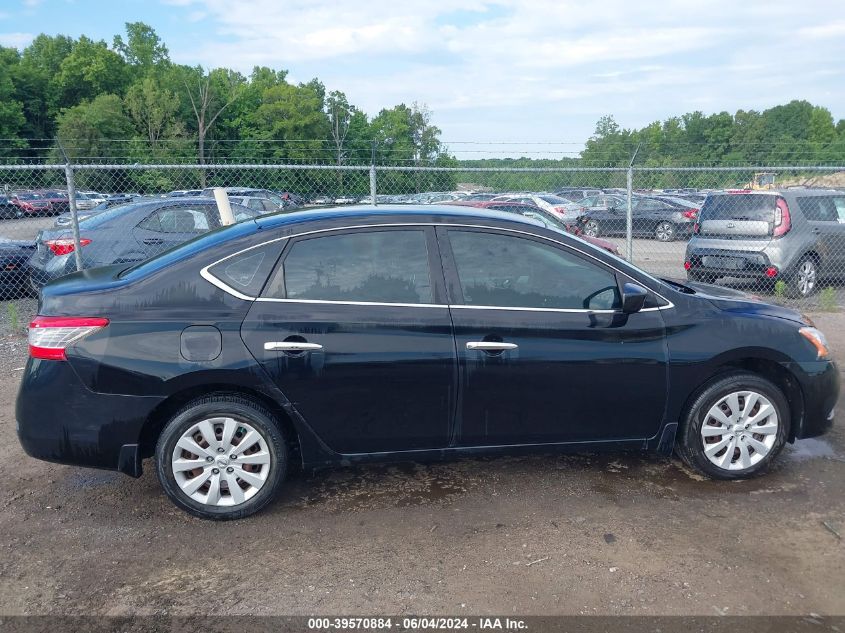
(691, 213)
(782, 220)
(64, 245)
(49, 337)
(687, 265)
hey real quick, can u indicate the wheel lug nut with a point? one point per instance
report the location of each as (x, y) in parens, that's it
(215, 471)
(221, 450)
(230, 470)
(209, 459)
(233, 457)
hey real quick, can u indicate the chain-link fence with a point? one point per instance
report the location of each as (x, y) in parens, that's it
(776, 232)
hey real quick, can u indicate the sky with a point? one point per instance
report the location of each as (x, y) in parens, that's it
(527, 77)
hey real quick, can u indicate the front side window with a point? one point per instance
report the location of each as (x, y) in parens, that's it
(508, 271)
(373, 266)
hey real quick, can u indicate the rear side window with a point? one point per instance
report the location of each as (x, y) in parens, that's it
(372, 266)
(823, 208)
(750, 207)
(246, 272)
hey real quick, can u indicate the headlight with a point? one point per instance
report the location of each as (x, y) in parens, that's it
(817, 339)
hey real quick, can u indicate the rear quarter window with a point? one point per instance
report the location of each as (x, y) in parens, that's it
(248, 271)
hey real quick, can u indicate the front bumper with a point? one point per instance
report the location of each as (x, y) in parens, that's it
(819, 382)
(61, 420)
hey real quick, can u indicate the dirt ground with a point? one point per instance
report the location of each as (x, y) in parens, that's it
(542, 535)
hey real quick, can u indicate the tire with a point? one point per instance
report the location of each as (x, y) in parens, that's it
(239, 417)
(804, 281)
(592, 229)
(738, 444)
(665, 232)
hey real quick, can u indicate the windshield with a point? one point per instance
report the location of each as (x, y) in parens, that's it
(103, 217)
(28, 196)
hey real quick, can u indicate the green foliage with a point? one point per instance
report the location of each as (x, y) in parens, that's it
(780, 289)
(828, 300)
(12, 313)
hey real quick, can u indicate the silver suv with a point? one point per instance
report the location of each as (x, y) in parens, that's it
(794, 235)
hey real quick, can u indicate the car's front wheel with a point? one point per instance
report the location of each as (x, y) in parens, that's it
(221, 457)
(735, 427)
(592, 229)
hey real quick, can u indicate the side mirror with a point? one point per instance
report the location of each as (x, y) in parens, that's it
(633, 298)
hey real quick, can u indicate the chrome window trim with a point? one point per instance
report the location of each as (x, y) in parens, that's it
(205, 274)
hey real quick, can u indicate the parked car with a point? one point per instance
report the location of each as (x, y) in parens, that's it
(322, 200)
(546, 218)
(568, 211)
(124, 234)
(260, 205)
(89, 199)
(250, 192)
(8, 209)
(794, 235)
(345, 200)
(187, 193)
(30, 204)
(57, 199)
(441, 331)
(575, 194)
(662, 219)
(14, 281)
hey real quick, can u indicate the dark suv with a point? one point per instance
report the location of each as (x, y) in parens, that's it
(797, 235)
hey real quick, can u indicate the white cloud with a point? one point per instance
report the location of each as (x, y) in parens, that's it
(16, 40)
(536, 66)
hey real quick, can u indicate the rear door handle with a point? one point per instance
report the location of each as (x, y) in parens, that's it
(291, 346)
(490, 346)
(153, 240)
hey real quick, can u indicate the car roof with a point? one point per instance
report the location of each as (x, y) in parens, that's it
(413, 213)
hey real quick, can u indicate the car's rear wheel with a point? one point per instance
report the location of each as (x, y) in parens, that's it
(735, 427)
(664, 232)
(221, 457)
(805, 278)
(592, 228)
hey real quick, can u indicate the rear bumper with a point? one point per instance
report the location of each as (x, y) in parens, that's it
(819, 381)
(60, 420)
(743, 264)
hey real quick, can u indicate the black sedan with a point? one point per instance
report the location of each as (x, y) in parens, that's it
(14, 280)
(664, 219)
(345, 335)
(125, 233)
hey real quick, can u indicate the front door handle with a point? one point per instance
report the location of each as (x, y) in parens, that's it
(291, 346)
(152, 241)
(490, 346)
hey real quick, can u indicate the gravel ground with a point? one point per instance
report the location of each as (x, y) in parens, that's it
(582, 534)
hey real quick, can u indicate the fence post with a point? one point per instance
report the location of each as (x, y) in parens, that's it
(71, 200)
(373, 176)
(629, 219)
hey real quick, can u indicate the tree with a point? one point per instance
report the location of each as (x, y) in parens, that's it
(340, 115)
(210, 95)
(91, 69)
(12, 117)
(85, 129)
(153, 110)
(143, 47)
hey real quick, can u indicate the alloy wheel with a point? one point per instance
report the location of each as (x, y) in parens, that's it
(221, 461)
(591, 229)
(739, 430)
(664, 232)
(806, 277)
